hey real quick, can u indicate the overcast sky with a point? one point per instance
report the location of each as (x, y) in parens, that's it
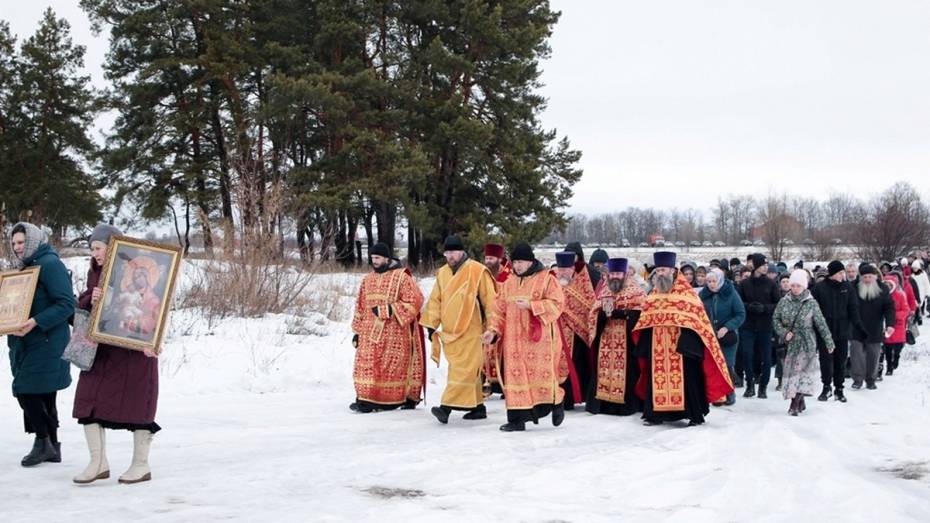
(674, 102)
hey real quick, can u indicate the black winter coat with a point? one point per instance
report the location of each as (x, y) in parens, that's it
(839, 305)
(875, 315)
(760, 295)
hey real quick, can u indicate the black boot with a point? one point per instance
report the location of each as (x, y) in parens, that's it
(42, 450)
(750, 390)
(801, 405)
(825, 395)
(778, 385)
(479, 412)
(441, 413)
(738, 382)
(558, 415)
(57, 457)
(762, 395)
(793, 409)
(890, 371)
(840, 397)
(513, 426)
(409, 404)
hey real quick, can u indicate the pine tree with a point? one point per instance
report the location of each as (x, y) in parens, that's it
(47, 111)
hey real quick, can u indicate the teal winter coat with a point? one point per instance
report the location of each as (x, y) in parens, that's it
(36, 358)
(724, 308)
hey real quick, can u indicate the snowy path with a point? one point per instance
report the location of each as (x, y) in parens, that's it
(301, 455)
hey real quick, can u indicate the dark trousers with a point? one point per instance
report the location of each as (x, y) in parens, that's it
(833, 366)
(40, 416)
(892, 355)
(756, 349)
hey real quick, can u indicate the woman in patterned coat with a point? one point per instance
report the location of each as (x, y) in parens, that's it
(796, 317)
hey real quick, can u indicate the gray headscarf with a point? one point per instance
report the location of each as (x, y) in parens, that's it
(721, 278)
(34, 238)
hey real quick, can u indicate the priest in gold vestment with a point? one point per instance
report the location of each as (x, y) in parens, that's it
(459, 307)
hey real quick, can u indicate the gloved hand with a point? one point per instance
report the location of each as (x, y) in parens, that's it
(355, 341)
(618, 314)
(377, 311)
(756, 308)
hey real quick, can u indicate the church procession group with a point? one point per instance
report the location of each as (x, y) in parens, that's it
(663, 340)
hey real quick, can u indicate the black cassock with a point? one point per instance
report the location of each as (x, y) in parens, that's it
(581, 358)
(691, 347)
(632, 403)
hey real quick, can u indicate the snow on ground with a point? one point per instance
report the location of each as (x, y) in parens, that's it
(256, 428)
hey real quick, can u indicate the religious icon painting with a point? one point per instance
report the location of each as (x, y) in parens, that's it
(138, 283)
(17, 288)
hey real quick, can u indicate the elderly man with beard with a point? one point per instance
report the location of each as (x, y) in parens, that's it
(852, 273)
(876, 322)
(574, 325)
(761, 295)
(616, 371)
(837, 300)
(683, 368)
(460, 305)
(526, 317)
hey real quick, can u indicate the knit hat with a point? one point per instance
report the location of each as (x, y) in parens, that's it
(564, 259)
(867, 268)
(103, 232)
(380, 249)
(798, 277)
(834, 267)
(522, 251)
(617, 265)
(598, 256)
(799, 264)
(453, 243)
(773, 268)
(758, 260)
(494, 249)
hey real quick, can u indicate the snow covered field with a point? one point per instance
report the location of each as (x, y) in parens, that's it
(257, 428)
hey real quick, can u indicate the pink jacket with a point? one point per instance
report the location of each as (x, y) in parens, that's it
(901, 310)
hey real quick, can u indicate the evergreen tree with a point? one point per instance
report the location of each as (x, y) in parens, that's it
(46, 109)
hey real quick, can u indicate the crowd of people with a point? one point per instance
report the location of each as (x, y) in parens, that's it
(665, 339)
